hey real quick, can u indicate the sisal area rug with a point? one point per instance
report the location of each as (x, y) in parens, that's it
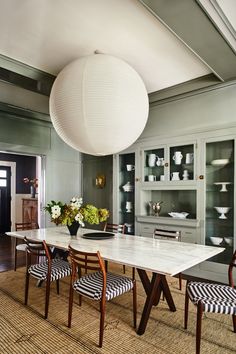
(23, 330)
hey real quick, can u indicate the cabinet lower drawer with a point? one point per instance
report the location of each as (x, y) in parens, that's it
(147, 229)
(188, 234)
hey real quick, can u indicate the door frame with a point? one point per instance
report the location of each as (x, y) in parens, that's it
(12, 165)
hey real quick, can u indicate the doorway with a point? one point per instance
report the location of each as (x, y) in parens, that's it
(7, 195)
(5, 199)
(17, 194)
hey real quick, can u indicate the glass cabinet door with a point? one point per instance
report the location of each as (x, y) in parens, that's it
(219, 212)
(127, 191)
(181, 163)
(154, 165)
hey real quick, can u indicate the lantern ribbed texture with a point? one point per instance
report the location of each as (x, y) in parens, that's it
(99, 105)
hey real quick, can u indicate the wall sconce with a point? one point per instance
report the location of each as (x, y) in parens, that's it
(100, 181)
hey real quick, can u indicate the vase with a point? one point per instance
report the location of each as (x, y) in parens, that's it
(32, 191)
(73, 228)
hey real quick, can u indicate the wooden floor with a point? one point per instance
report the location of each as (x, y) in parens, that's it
(7, 255)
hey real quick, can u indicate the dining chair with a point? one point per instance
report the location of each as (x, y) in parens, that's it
(97, 285)
(115, 228)
(169, 235)
(52, 269)
(210, 297)
(18, 245)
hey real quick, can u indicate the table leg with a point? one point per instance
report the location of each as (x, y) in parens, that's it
(167, 293)
(153, 290)
(148, 303)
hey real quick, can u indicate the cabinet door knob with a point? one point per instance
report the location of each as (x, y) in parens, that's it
(201, 177)
(137, 179)
(166, 164)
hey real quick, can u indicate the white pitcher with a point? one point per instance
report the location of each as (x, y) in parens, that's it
(177, 157)
(175, 176)
(160, 161)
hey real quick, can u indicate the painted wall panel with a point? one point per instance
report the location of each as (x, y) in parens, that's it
(205, 111)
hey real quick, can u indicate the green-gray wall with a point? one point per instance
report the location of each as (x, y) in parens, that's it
(62, 163)
(93, 166)
(192, 113)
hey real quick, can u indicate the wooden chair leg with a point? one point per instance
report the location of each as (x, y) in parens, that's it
(234, 323)
(15, 253)
(48, 283)
(135, 303)
(106, 266)
(80, 300)
(186, 308)
(58, 286)
(123, 268)
(133, 273)
(26, 286)
(180, 281)
(102, 320)
(70, 306)
(199, 327)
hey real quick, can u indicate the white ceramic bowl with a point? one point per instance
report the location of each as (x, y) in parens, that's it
(222, 210)
(229, 240)
(216, 240)
(182, 215)
(220, 162)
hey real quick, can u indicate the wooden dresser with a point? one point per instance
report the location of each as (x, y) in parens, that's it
(30, 210)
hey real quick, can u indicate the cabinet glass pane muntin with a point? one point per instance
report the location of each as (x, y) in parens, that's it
(219, 212)
(154, 162)
(181, 162)
(127, 191)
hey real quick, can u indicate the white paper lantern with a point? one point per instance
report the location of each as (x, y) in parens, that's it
(99, 105)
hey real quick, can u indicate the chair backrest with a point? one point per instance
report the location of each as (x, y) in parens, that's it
(116, 228)
(19, 226)
(88, 261)
(37, 248)
(167, 234)
(230, 270)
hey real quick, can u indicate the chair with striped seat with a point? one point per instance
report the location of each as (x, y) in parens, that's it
(215, 298)
(48, 270)
(18, 245)
(98, 285)
(169, 235)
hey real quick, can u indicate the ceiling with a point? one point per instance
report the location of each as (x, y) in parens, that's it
(153, 36)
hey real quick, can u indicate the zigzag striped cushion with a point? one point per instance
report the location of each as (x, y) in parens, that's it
(91, 285)
(60, 269)
(215, 298)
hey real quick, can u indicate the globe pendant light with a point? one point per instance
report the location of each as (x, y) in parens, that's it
(99, 105)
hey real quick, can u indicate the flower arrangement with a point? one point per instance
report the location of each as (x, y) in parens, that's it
(33, 182)
(66, 214)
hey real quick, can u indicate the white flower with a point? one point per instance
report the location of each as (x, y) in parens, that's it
(76, 202)
(55, 215)
(56, 210)
(79, 218)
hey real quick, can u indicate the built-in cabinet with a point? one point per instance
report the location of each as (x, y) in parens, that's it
(219, 196)
(125, 208)
(169, 163)
(185, 184)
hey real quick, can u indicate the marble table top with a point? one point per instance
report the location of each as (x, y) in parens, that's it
(160, 256)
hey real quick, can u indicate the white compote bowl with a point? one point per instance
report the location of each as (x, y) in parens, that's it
(222, 211)
(223, 186)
